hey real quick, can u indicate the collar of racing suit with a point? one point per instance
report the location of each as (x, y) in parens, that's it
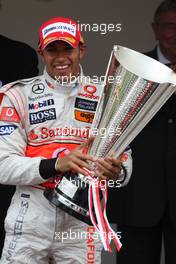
(63, 87)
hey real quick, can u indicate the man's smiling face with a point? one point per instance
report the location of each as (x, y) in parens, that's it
(61, 59)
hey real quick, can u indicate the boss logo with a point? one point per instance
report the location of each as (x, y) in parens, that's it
(42, 116)
(41, 104)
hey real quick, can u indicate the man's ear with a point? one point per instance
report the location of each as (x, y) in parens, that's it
(40, 52)
(82, 50)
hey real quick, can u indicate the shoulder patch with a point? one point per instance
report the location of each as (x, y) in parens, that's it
(9, 114)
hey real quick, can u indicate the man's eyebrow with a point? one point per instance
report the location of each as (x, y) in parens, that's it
(53, 44)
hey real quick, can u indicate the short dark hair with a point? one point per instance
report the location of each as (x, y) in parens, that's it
(165, 6)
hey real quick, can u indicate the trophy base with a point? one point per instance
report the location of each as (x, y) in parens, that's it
(71, 195)
(68, 206)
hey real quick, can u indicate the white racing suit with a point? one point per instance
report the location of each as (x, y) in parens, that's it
(40, 120)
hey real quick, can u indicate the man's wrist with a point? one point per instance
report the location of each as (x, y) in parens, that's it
(47, 168)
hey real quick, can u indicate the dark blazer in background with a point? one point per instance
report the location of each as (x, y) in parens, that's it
(153, 182)
(17, 61)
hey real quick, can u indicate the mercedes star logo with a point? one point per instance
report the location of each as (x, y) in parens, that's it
(38, 88)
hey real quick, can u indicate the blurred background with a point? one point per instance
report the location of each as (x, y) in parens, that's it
(20, 19)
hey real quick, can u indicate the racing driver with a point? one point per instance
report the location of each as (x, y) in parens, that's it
(41, 118)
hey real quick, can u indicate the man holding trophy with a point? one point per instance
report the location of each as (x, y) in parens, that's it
(45, 125)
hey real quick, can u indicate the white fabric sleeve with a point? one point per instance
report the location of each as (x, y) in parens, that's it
(15, 168)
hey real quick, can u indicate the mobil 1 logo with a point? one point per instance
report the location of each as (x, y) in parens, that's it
(35, 106)
(42, 116)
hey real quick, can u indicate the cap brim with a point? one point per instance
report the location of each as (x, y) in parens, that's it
(49, 40)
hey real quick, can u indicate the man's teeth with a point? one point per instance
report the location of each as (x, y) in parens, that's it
(61, 67)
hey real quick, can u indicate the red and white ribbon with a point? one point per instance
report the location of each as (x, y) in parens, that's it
(97, 210)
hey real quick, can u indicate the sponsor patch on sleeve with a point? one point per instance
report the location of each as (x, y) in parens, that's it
(84, 116)
(7, 130)
(9, 114)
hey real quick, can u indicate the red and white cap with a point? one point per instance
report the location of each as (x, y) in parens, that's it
(60, 28)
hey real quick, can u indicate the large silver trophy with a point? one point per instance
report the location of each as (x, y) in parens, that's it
(143, 85)
(140, 87)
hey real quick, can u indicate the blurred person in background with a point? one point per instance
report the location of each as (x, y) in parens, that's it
(146, 213)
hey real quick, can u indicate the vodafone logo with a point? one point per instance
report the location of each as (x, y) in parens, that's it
(91, 89)
(9, 114)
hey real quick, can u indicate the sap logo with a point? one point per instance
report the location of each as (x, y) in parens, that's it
(42, 116)
(7, 130)
(41, 104)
